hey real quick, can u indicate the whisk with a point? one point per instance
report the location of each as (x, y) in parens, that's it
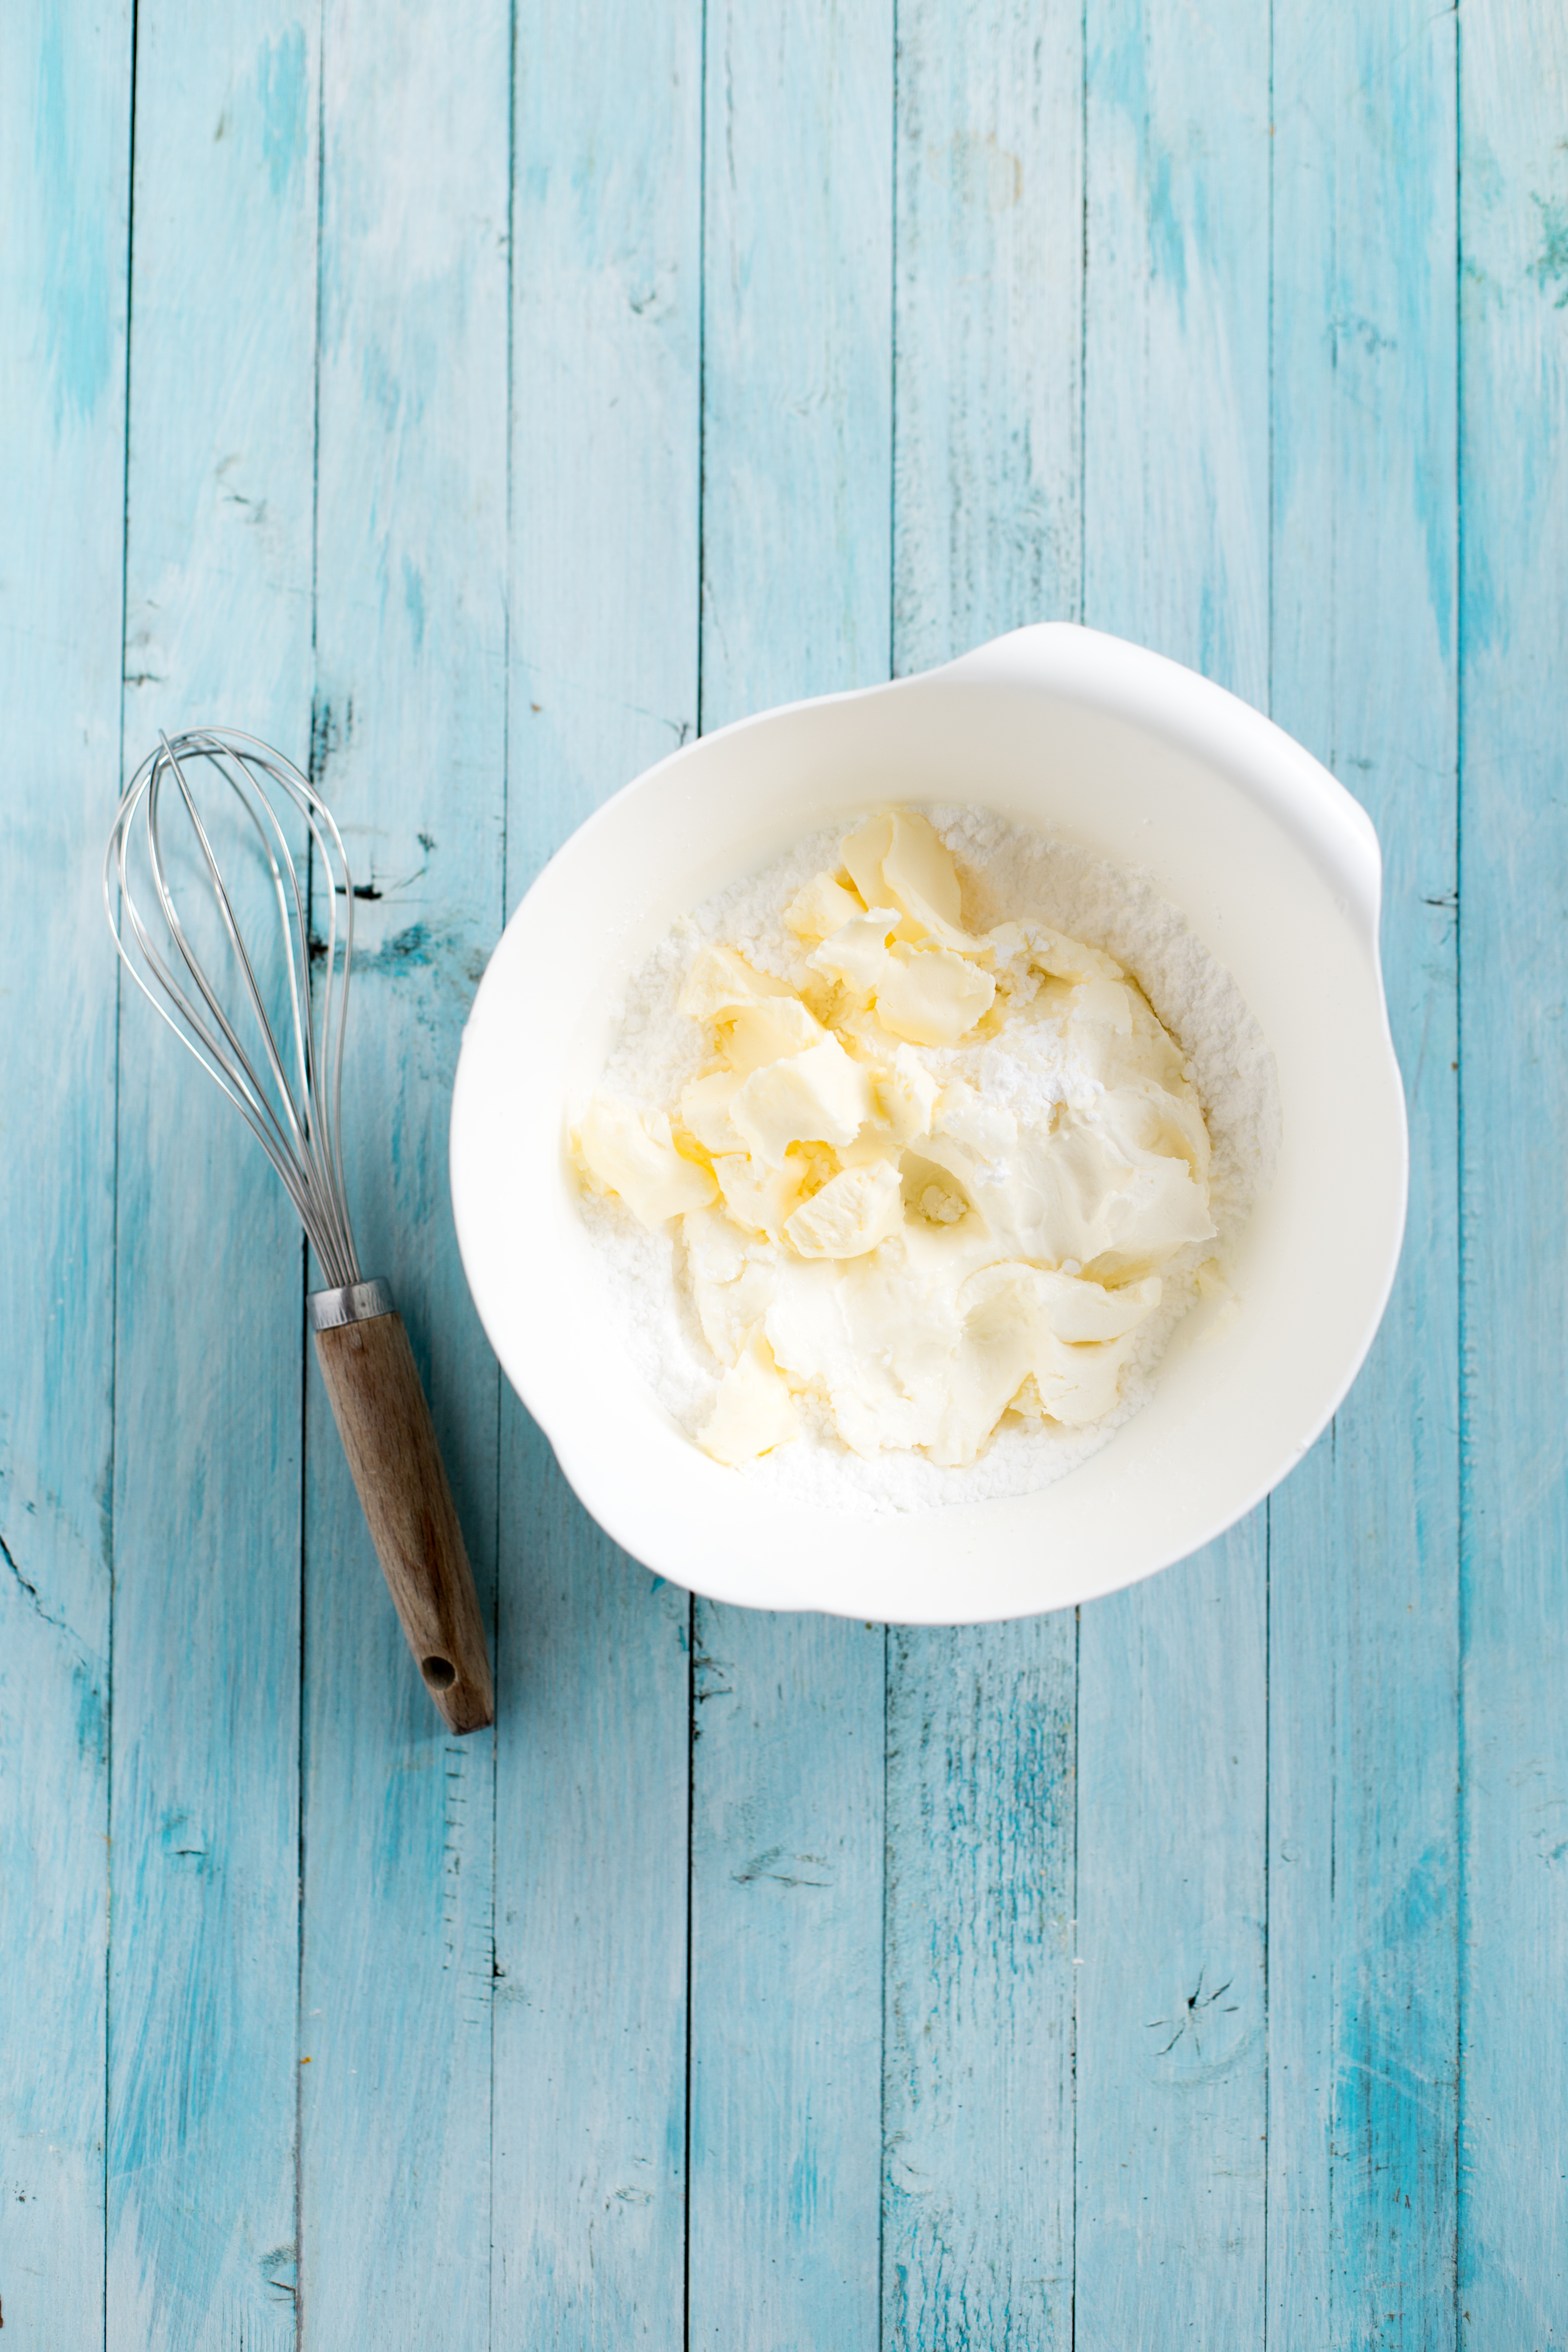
(288, 1088)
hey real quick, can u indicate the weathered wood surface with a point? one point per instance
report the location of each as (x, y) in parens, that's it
(203, 2108)
(65, 194)
(483, 413)
(1364, 1866)
(1513, 1095)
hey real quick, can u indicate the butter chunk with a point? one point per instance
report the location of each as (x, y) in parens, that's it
(1105, 1003)
(753, 1411)
(920, 874)
(1079, 1384)
(996, 1354)
(1076, 1309)
(945, 1170)
(851, 1213)
(818, 1097)
(876, 1342)
(633, 1154)
(1009, 1353)
(721, 980)
(758, 1033)
(732, 1281)
(823, 906)
(987, 1129)
(899, 857)
(1148, 1120)
(759, 1198)
(863, 852)
(856, 953)
(705, 1110)
(1063, 957)
(931, 996)
(906, 1098)
(1131, 1051)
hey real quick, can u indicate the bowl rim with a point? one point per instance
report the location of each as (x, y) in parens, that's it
(1164, 699)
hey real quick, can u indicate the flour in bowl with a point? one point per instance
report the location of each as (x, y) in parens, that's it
(913, 1148)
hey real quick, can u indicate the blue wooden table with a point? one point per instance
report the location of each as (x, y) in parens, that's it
(480, 400)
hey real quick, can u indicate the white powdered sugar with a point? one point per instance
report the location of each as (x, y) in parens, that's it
(1007, 874)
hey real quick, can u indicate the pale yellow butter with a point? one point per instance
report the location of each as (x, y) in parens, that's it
(824, 906)
(753, 1411)
(818, 1097)
(635, 1156)
(853, 1212)
(930, 996)
(864, 1225)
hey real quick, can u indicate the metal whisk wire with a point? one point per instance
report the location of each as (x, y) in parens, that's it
(295, 1117)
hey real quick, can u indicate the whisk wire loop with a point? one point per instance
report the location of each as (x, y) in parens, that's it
(294, 1138)
(295, 1115)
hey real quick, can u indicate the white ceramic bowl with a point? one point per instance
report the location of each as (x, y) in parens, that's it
(1079, 736)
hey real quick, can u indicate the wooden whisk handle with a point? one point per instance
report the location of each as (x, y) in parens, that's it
(385, 1423)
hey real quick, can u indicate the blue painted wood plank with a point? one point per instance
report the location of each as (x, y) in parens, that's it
(1171, 2010)
(979, 1989)
(1176, 333)
(204, 1961)
(63, 194)
(410, 731)
(593, 1767)
(1171, 1714)
(607, 408)
(787, 1764)
(1363, 1904)
(989, 326)
(1364, 1559)
(977, 2231)
(591, 1955)
(786, 1981)
(1513, 2211)
(797, 274)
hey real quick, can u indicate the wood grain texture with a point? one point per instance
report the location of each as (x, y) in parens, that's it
(1363, 1557)
(607, 408)
(835, 339)
(204, 1747)
(787, 1762)
(591, 1950)
(383, 1420)
(1171, 1998)
(1172, 1712)
(65, 122)
(409, 747)
(977, 2226)
(786, 1981)
(796, 379)
(1513, 2149)
(988, 331)
(1175, 446)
